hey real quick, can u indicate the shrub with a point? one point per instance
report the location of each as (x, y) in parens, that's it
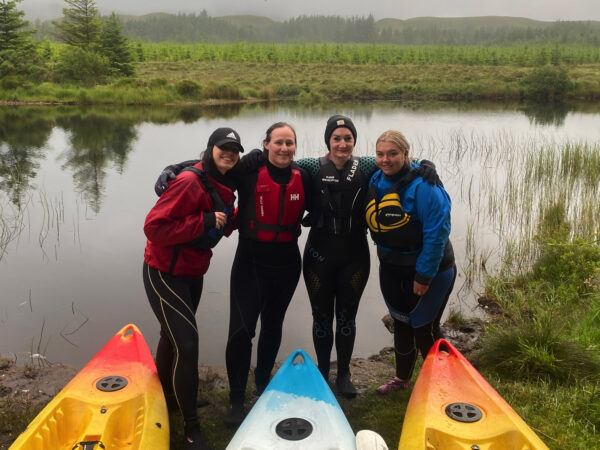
(537, 348)
(221, 91)
(547, 83)
(267, 92)
(84, 66)
(11, 82)
(188, 88)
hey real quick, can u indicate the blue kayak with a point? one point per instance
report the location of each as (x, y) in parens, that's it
(296, 410)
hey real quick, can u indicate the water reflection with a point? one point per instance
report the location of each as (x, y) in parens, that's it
(95, 142)
(23, 136)
(76, 184)
(553, 114)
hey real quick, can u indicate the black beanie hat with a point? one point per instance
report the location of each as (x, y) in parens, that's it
(338, 121)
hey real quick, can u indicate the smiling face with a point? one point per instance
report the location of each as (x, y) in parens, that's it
(389, 157)
(225, 157)
(341, 145)
(281, 146)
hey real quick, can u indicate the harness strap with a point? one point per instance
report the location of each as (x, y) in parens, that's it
(218, 203)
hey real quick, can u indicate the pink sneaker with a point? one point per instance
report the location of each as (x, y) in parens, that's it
(394, 385)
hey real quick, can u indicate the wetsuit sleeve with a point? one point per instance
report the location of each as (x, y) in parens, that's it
(253, 161)
(169, 173)
(426, 169)
(368, 165)
(311, 165)
(179, 215)
(308, 191)
(433, 207)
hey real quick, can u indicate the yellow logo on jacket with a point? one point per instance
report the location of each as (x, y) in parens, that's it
(386, 215)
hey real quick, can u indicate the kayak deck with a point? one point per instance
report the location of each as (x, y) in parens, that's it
(115, 401)
(453, 407)
(297, 410)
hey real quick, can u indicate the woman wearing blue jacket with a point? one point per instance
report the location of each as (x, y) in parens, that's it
(409, 220)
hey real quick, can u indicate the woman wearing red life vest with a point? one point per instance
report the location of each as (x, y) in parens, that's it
(187, 221)
(273, 195)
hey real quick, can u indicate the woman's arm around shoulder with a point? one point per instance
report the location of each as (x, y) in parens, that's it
(311, 165)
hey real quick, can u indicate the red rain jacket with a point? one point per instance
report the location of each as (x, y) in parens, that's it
(177, 218)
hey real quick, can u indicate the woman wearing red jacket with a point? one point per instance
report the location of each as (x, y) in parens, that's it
(187, 221)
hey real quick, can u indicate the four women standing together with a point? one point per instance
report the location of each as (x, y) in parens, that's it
(409, 220)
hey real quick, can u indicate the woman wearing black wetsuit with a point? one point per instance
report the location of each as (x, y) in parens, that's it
(266, 268)
(336, 261)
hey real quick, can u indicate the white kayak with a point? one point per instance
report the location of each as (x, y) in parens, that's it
(297, 410)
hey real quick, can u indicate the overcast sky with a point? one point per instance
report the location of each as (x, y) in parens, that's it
(549, 10)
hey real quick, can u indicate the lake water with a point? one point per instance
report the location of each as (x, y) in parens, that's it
(76, 185)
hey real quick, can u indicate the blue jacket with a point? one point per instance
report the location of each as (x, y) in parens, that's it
(428, 204)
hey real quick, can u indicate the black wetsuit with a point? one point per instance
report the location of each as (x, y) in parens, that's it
(336, 261)
(264, 277)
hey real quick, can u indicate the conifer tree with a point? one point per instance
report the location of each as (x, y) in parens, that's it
(16, 46)
(113, 45)
(80, 24)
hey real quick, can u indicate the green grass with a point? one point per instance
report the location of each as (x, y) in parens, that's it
(157, 83)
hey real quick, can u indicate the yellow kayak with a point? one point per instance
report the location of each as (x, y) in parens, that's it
(114, 402)
(453, 407)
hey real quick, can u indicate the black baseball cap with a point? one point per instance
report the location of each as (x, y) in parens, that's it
(222, 136)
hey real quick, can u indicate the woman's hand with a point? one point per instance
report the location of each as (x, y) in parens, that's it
(419, 288)
(220, 220)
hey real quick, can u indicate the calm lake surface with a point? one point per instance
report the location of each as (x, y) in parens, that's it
(76, 185)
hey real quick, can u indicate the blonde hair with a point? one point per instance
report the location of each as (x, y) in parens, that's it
(396, 138)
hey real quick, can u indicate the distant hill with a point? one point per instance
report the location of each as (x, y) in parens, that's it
(248, 21)
(485, 30)
(462, 22)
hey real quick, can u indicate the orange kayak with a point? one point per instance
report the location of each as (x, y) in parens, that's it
(114, 402)
(453, 407)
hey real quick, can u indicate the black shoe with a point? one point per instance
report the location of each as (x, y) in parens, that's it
(201, 402)
(344, 386)
(235, 416)
(194, 441)
(260, 389)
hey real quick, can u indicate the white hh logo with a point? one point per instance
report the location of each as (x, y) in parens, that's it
(294, 196)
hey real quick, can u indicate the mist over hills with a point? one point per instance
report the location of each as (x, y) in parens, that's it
(484, 30)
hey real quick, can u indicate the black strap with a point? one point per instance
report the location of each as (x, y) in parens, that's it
(174, 258)
(405, 180)
(89, 445)
(218, 203)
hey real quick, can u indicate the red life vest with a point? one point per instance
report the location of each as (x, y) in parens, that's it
(277, 211)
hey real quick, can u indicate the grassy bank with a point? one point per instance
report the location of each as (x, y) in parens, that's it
(181, 82)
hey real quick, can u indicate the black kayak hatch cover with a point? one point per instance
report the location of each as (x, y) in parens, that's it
(464, 412)
(294, 429)
(111, 383)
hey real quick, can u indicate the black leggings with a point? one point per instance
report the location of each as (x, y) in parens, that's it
(257, 290)
(174, 301)
(336, 270)
(397, 289)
